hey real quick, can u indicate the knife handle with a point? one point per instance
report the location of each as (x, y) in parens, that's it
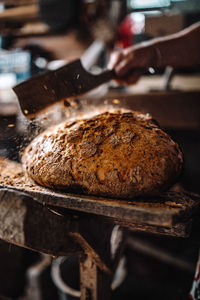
(106, 76)
(111, 74)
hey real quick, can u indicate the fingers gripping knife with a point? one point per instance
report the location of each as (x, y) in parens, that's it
(69, 81)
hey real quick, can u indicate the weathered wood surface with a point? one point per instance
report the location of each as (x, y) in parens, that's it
(29, 224)
(94, 283)
(58, 232)
(181, 229)
(170, 212)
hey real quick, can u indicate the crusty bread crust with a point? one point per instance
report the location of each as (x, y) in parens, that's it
(118, 155)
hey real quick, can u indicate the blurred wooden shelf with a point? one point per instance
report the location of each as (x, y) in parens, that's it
(30, 29)
(14, 20)
(19, 2)
(8, 109)
(20, 14)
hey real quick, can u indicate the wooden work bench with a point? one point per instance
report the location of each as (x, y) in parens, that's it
(62, 224)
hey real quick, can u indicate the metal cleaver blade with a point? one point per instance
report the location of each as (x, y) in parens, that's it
(69, 81)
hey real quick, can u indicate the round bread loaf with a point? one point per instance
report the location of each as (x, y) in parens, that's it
(118, 155)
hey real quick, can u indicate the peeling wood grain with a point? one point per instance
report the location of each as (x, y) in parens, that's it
(28, 224)
(94, 283)
(178, 230)
(12, 217)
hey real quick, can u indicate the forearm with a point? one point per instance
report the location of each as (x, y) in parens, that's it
(178, 50)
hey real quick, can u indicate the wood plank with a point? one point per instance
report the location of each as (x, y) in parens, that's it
(29, 29)
(164, 211)
(178, 230)
(94, 283)
(29, 224)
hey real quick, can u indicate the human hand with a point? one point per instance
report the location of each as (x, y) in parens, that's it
(129, 64)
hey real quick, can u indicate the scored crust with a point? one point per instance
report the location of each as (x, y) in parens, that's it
(118, 155)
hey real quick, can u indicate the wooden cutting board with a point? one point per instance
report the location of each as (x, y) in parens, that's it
(170, 213)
